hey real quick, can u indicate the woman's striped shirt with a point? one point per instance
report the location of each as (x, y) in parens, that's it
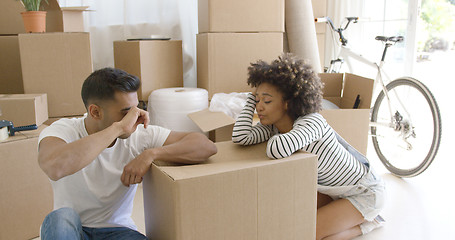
(311, 133)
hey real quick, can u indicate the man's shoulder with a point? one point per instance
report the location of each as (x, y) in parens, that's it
(68, 129)
(70, 123)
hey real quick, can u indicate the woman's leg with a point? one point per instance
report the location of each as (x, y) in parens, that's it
(323, 200)
(339, 219)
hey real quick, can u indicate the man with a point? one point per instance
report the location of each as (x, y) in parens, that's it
(96, 161)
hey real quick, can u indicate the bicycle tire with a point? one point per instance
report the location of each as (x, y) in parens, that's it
(436, 121)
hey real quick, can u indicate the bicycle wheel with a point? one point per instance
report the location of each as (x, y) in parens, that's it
(406, 127)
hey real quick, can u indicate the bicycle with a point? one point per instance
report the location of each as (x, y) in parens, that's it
(405, 145)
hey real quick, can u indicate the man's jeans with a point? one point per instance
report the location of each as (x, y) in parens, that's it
(65, 223)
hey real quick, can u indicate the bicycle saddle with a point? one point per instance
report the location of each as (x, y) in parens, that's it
(394, 39)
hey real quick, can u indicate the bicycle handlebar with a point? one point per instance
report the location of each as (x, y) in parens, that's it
(340, 30)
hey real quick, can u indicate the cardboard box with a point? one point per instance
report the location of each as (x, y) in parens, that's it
(239, 193)
(223, 58)
(241, 16)
(157, 63)
(57, 19)
(10, 65)
(24, 109)
(56, 64)
(342, 90)
(26, 191)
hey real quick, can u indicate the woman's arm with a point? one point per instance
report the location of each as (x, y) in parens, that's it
(244, 132)
(304, 132)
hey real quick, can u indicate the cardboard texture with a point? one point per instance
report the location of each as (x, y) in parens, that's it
(223, 58)
(10, 65)
(24, 109)
(237, 194)
(157, 63)
(241, 16)
(56, 64)
(57, 19)
(351, 124)
(218, 125)
(26, 191)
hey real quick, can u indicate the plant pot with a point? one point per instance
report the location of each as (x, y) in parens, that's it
(34, 21)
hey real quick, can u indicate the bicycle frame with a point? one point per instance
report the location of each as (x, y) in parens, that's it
(345, 53)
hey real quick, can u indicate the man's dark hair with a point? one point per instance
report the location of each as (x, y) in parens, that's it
(103, 83)
(296, 80)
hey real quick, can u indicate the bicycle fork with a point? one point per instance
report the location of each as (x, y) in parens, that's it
(398, 122)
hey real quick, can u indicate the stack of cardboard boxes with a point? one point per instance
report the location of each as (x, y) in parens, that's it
(42, 75)
(233, 34)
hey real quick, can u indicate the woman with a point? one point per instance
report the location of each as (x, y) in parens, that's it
(287, 99)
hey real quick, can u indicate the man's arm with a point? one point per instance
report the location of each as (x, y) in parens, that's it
(179, 147)
(59, 159)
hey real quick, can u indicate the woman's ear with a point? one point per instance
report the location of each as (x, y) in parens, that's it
(95, 111)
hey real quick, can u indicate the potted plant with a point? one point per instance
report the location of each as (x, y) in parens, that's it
(34, 19)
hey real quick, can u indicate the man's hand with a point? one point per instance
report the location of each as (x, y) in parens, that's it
(134, 117)
(136, 169)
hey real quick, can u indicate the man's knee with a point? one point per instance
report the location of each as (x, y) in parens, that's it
(62, 216)
(61, 220)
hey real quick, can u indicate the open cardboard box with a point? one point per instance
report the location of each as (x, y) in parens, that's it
(239, 193)
(26, 192)
(342, 90)
(24, 109)
(58, 19)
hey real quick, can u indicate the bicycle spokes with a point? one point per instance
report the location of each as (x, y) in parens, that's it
(407, 129)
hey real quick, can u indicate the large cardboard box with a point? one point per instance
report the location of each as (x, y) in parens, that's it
(56, 64)
(158, 63)
(10, 65)
(57, 19)
(24, 109)
(223, 58)
(351, 124)
(241, 16)
(26, 193)
(237, 194)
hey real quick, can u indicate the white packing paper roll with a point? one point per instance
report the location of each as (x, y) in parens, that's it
(169, 107)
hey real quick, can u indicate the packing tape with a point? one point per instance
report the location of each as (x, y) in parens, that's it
(169, 107)
(3, 133)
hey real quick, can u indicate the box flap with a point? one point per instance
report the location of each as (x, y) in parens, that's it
(356, 85)
(208, 121)
(333, 84)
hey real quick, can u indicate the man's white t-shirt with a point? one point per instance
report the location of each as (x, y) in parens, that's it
(96, 192)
